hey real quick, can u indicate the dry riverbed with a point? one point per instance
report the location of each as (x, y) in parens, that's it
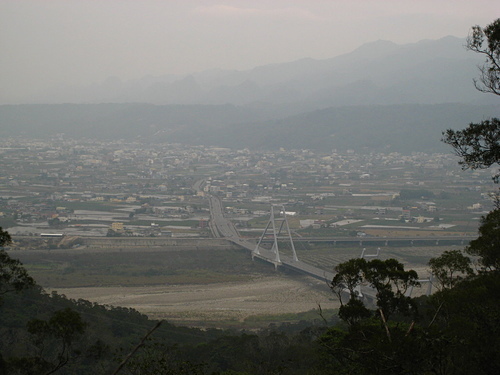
(212, 303)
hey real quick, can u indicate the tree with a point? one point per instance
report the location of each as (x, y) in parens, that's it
(450, 268)
(382, 341)
(55, 341)
(487, 42)
(392, 281)
(5, 238)
(469, 317)
(13, 276)
(464, 329)
(54, 222)
(389, 280)
(349, 275)
(487, 245)
(479, 145)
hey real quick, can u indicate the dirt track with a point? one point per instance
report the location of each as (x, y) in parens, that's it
(214, 302)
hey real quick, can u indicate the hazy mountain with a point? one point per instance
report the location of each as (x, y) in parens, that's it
(427, 72)
(381, 96)
(166, 123)
(404, 128)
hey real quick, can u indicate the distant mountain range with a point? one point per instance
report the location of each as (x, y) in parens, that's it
(380, 97)
(427, 72)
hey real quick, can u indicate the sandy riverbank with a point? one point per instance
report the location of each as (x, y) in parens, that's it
(213, 302)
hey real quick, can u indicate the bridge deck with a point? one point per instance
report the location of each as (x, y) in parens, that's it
(284, 260)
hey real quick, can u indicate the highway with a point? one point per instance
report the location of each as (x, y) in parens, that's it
(220, 226)
(386, 241)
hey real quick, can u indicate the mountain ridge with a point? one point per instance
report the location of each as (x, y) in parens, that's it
(404, 128)
(384, 63)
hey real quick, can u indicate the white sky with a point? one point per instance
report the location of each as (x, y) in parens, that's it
(49, 43)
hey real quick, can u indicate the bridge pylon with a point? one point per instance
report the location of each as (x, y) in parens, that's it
(276, 224)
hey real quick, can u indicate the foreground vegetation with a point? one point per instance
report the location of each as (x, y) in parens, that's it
(454, 331)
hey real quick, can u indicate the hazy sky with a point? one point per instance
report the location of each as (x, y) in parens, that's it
(49, 43)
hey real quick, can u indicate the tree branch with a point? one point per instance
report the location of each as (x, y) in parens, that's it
(385, 325)
(124, 362)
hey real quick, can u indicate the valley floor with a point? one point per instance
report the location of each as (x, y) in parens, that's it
(214, 304)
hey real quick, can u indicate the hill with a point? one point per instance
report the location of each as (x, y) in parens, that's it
(403, 128)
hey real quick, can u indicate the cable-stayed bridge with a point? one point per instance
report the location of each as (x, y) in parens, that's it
(222, 227)
(279, 230)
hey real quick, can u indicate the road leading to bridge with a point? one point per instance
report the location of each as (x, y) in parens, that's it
(220, 226)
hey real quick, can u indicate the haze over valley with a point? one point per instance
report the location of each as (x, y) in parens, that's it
(249, 187)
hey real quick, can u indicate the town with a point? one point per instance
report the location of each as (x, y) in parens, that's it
(118, 188)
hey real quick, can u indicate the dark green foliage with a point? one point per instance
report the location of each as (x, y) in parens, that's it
(54, 340)
(487, 245)
(354, 311)
(5, 238)
(466, 325)
(13, 276)
(367, 349)
(348, 276)
(477, 145)
(456, 331)
(41, 333)
(372, 344)
(156, 358)
(465, 316)
(32, 322)
(268, 352)
(389, 281)
(55, 223)
(450, 267)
